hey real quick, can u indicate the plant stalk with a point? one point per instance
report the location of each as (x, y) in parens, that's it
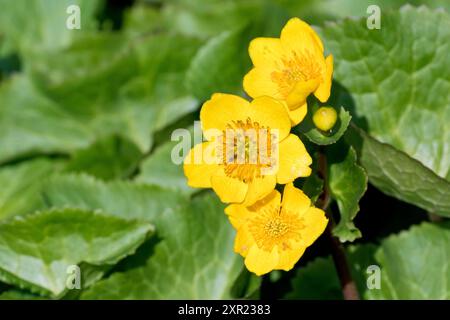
(349, 290)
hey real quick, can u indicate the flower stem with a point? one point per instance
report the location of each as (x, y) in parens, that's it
(349, 290)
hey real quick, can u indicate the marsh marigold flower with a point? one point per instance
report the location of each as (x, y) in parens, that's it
(290, 68)
(235, 168)
(274, 233)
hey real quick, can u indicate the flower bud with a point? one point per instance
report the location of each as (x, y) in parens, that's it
(325, 118)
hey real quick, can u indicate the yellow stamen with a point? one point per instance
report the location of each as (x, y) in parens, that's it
(274, 227)
(299, 67)
(245, 148)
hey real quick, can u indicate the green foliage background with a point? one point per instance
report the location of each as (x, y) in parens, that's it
(85, 171)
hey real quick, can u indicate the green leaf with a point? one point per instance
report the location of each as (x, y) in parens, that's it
(313, 187)
(319, 280)
(123, 199)
(194, 260)
(246, 285)
(347, 183)
(9, 64)
(101, 85)
(317, 12)
(399, 79)
(223, 60)
(32, 124)
(208, 18)
(219, 65)
(24, 181)
(14, 294)
(414, 264)
(35, 251)
(307, 127)
(41, 24)
(399, 175)
(86, 76)
(159, 168)
(142, 18)
(193, 256)
(98, 69)
(161, 90)
(108, 158)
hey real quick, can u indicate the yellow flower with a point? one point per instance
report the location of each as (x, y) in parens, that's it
(248, 171)
(290, 68)
(273, 234)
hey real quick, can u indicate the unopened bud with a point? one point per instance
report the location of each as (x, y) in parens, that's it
(325, 118)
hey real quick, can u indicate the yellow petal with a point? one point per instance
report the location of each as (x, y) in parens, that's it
(289, 257)
(315, 223)
(265, 52)
(297, 115)
(260, 261)
(237, 214)
(301, 91)
(271, 113)
(259, 188)
(198, 167)
(273, 199)
(258, 82)
(294, 200)
(221, 110)
(229, 190)
(294, 160)
(243, 241)
(297, 35)
(323, 91)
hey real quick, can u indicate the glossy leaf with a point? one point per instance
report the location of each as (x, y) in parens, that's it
(108, 158)
(36, 251)
(192, 256)
(23, 183)
(401, 176)
(347, 183)
(41, 24)
(399, 79)
(319, 280)
(219, 65)
(413, 266)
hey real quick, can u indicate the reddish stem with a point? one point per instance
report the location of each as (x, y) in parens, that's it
(349, 290)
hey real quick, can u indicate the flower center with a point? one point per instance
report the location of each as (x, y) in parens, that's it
(246, 149)
(274, 227)
(299, 67)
